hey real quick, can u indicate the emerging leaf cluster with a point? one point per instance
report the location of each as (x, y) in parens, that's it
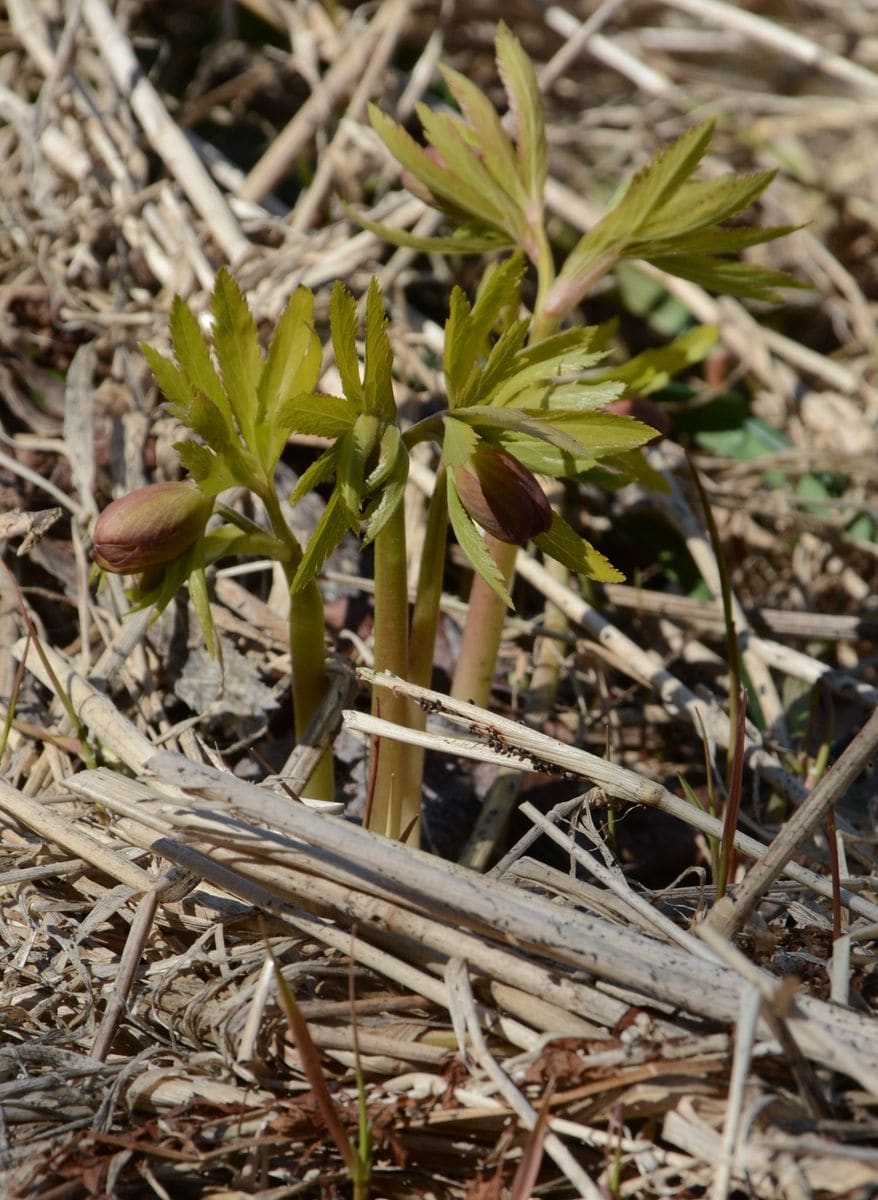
(489, 184)
(535, 403)
(242, 405)
(491, 188)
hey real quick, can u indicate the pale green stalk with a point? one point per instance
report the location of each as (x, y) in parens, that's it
(309, 679)
(483, 631)
(393, 809)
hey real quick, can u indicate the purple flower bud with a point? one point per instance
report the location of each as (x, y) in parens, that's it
(150, 527)
(503, 496)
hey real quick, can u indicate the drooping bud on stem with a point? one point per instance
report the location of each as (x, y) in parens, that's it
(150, 527)
(503, 496)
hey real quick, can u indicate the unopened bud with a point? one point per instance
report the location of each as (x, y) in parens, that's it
(150, 527)
(503, 496)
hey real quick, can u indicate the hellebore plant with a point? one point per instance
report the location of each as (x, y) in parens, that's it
(525, 398)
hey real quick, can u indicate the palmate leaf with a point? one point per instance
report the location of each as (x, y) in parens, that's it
(221, 435)
(458, 442)
(525, 102)
(575, 553)
(598, 251)
(473, 544)
(236, 344)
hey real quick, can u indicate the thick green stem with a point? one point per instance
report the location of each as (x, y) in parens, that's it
(393, 809)
(425, 621)
(308, 675)
(483, 630)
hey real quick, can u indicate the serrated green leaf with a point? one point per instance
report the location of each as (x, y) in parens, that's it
(378, 367)
(291, 368)
(392, 452)
(220, 434)
(654, 185)
(502, 362)
(208, 470)
(344, 326)
(603, 433)
(651, 370)
(193, 356)
(318, 414)
(542, 458)
(236, 344)
(575, 553)
(473, 545)
(468, 328)
(525, 102)
(729, 277)
(468, 183)
(320, 471)
(390, 476)
(355, 450)
(632, 466)
(467, 239)
(489, 135)
(201, 603)
(414, 158)
(598, 251)
(544, 427)
(708, 242)
(331, 528)
(542, 375)
(703, 202)
(458, 442)
(172, 382)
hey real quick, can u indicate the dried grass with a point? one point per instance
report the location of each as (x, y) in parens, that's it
(144, 1049)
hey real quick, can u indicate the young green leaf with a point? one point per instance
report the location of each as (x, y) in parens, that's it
(525, 102)
(700, 203)
(320, 471)
(473, 545)
(209, 470)
(729, 277)
(344, 325)
(173, 383)
(458, 442)
(473, 186)
(651, 370)
(492, 140)
(193, 356)
(575, 553)
(331, 528)
(291, 368)
(390, 476)
(546, 427)
(236, 344)
(469, 238)
(378, 367)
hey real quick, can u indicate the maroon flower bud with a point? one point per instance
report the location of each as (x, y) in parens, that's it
(150, 527)
(503, 496)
